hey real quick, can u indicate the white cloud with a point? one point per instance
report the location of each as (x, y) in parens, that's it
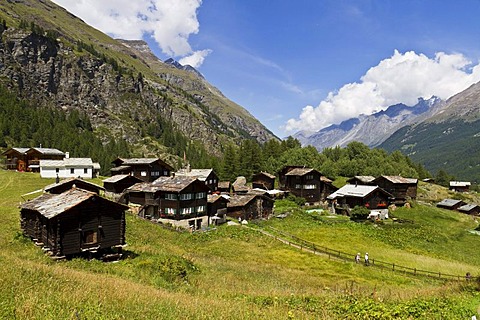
(169, 22)
(402, 78)
(195, 59)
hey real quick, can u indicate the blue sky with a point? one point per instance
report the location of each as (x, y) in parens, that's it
(305, 64)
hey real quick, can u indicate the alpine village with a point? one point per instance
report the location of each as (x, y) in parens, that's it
(132, 188)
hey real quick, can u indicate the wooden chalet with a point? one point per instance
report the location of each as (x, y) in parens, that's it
(450, 204)
(282, 179)
(250, 206)
(180, 201)
(118, 183)
(16, 159)
(263, 180)
(28, 159)
(35, 155)
(401, 188)
(207, 176)
(67, 184)
(308, 184)
(224, 187)
(459, 186)
(471, 209)
(362, 180)
(146, 169)
(74, 222)
(351, 195)
(217, 208)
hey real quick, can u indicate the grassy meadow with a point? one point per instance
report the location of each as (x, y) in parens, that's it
(235, 272)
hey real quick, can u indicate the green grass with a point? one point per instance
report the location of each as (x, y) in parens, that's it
(238, 273)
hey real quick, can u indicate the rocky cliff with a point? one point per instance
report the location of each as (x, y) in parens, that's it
(56, 60)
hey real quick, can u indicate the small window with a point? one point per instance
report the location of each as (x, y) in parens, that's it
(72, 170)
(309, 177)
(170, 196)
(165, 173)
(186, 210)
(201, 195)
(201, 209)
(298, 186)
(170, 211)
(309, 186)
(85, 170)
(155, 173)
(143, 173)
(186, 196)
(90, 237)
(57, 170)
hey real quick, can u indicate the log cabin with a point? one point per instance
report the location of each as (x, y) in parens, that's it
(180, 201)
(308, 183)
(74, 222)
(67, 184)
(250, 206)
(350, 195)
(146, 169)
(263, 180)
(402, 189)
(28, 159)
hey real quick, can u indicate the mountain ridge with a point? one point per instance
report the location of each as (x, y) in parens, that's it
(372, 129)
(127, 92)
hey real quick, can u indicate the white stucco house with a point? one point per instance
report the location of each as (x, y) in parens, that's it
(69, 168)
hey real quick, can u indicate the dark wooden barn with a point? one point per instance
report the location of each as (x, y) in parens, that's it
(146, 169)
(217, 208)
(471, 209)
(282, 179)
(263, 180)
(67, 184)
(74, 222)
(308, 183)
(450, 204)
(181, 201)
(371, 197)
(118, 183)
(401, 188)
(460, 186)
(250, 206)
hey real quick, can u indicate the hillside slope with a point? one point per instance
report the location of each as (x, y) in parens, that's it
(53, 58)
(234, 272)
(449, 140)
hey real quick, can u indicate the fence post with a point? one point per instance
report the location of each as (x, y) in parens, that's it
(414, 271)
(439, 275)
(393, 266)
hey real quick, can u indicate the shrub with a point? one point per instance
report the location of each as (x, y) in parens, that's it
(298, 200)
(359, 213)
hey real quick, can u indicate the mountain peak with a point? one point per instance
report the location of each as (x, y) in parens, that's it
(178, 65)
(371, 129)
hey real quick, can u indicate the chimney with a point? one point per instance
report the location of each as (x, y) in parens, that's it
(67, 155)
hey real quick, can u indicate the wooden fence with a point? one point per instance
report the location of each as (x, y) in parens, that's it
(302, 244)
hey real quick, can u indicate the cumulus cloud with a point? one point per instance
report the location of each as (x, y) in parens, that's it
(168, 22)
(195, 59)
(402, 78)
